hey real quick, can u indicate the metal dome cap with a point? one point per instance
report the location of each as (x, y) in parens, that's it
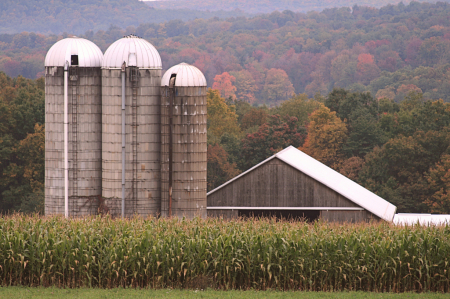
(77, 51)
(134, 51)
(187, 76)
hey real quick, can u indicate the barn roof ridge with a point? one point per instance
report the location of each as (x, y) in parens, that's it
(330, 178)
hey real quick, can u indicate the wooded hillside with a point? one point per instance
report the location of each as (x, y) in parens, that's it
(267, 6)
(77, 16)
(388, 51)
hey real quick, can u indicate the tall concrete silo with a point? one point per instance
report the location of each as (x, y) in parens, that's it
(73, 127)
(131, 74)
(183, 142)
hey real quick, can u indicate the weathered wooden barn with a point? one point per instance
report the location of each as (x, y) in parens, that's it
(293, 184)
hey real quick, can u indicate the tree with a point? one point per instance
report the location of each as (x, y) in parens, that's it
(299, 106)
(221, 117)
(245, 86)
(364, 134)
(343, 69)
(254, 117)
(277, 86)
(397, 170)
(21, 142)
(271, 137)
(326, 137)
(219, 169)
(321, 76)
(345, 103)
(405, 89)
(224, 84)
(31, 150)
(438, 179)
(352, 167)
(367, 70)
(434, 50)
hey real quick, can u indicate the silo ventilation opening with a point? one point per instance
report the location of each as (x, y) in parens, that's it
(74, 60)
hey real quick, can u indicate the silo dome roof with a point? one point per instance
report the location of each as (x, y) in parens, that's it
(134, 51)
(187, 76)
(89, 55)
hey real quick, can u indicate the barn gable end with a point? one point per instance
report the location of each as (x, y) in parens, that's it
(277, 185)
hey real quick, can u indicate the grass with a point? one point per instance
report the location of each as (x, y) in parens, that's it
(92, 293)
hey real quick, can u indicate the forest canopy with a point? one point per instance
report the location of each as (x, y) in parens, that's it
(388, 51)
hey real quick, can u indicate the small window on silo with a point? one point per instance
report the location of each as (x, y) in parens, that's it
(74, 60)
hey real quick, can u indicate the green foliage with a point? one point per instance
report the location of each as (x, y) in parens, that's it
(21, 143)
(397, 171)
(251, 254)
(298, 106)
(364, 135)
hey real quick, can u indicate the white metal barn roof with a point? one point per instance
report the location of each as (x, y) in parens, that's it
(89, 55)
(332, 179)
(422, 219)
(187, 75)
(134, 51)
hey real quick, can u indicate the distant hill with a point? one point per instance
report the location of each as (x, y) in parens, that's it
(388, 51)
(78, 16)
(267, 6)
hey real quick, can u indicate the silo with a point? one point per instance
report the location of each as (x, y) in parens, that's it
(183, 142)
(73, 127)
(131, 100)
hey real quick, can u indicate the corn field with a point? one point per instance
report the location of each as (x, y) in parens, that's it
(240, 254)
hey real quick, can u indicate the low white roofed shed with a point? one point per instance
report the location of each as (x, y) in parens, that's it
(300, 182)
(88, 54)
(421, 219)
(187, 76)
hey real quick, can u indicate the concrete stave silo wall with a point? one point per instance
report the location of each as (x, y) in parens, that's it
(84, 140)
(189, 152)
(142, 186)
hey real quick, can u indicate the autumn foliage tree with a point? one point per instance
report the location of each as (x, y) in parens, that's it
(245, 86)
(326, 137)
(254, 117)
(367, 70)
(224, 84)
(277, 86)
(438, 178)
(220, 170)
(221, 117)
(272, 136)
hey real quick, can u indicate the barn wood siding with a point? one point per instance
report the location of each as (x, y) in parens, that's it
(348, 216)
(277, 184)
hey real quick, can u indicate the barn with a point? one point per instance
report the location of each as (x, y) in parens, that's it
(291, 184)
